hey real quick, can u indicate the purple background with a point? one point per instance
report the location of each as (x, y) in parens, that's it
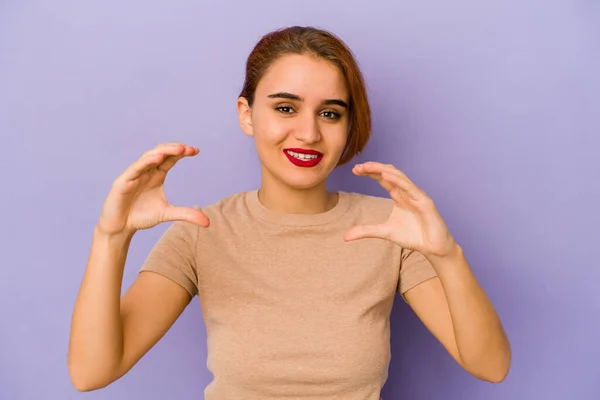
(492, 107)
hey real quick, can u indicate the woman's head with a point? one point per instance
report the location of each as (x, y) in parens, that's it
(304, 91)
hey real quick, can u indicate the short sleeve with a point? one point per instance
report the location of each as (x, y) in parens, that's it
(174, 256)
(414, 269)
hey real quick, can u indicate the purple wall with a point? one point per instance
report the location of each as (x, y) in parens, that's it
(492, 108)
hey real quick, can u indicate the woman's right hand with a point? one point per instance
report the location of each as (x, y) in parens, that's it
(137, 199)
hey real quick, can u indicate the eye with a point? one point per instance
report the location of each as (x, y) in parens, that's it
(330, 115)
(285, 109)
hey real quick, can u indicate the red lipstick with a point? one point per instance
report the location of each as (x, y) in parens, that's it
(314, 157)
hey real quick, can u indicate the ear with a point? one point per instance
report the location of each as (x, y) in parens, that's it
(245, 116)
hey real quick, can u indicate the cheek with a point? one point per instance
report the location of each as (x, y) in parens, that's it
(271, 130)
(336, 136)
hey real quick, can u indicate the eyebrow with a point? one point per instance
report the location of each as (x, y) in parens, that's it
(291, 96)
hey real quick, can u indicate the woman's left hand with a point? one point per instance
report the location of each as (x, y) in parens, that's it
(414, 222)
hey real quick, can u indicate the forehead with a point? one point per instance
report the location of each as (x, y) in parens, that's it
(308, 76)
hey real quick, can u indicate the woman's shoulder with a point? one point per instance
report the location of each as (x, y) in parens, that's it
(230, 205)
(371, 205)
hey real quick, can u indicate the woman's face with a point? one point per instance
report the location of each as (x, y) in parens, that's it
(299, 120)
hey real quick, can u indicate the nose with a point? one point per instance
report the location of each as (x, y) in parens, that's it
(308, 129)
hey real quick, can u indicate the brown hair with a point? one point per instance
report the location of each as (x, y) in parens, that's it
(323, 44)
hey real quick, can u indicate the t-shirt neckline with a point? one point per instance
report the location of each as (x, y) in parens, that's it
(280, 218)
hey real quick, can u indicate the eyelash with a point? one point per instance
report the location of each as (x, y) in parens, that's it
(334, 115)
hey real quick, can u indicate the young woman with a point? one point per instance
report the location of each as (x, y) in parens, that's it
(296, 283)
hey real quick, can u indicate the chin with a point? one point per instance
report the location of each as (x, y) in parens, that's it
(301, 181)
(298, 177)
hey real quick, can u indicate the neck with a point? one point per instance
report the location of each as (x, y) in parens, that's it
(281, 198)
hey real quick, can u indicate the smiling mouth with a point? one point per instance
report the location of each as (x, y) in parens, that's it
(303, 158)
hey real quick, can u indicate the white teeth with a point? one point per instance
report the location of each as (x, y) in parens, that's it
(302, 156)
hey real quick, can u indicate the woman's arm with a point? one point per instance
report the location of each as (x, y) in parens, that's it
(456, 310)
(109, 334)
(453, 305)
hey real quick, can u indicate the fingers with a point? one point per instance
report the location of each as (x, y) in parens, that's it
(410, 189)
(172, 149)
(380, 231)
(167, 154)
(142, 165)
(188, 214)
(172, 160)
(389, 177)
(378, 168)
(359, 170)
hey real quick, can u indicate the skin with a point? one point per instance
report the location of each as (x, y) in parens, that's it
(110, 334)
(453, 306)
(277, 123)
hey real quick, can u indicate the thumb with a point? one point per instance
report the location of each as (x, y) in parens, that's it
(188, 214)
(367, 231)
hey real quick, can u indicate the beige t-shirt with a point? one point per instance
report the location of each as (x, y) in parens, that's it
(291, 309)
